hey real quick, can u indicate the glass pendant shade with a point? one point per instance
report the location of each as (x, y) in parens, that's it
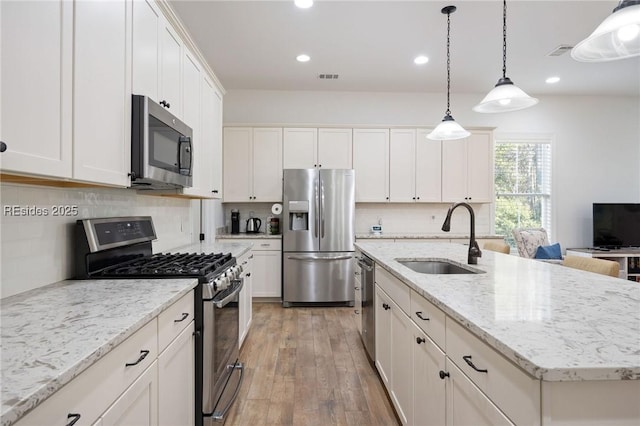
(448, 130)
(617, 37)
(505, 97)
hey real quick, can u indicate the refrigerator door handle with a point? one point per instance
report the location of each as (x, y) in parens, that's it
(322, 214)
(347, 257)
(316, 219)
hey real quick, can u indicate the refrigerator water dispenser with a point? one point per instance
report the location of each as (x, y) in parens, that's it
(299, 215)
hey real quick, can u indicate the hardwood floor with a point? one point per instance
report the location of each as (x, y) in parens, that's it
(307, 366)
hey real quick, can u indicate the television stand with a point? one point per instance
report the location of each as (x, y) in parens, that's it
(627, 257)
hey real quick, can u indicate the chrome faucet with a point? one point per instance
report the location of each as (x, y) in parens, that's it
(474, 250)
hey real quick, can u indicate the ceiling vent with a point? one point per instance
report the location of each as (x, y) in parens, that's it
(328, 76)
(560, 50)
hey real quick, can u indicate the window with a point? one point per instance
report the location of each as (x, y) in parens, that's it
(523, 186)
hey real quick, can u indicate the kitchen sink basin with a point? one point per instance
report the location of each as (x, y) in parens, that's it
(436, 267)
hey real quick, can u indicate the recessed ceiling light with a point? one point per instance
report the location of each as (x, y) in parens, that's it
(420, 60)
(552, 80)
(303, 4)
(303, 58)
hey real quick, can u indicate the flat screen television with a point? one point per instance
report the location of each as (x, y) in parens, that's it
(616, 225)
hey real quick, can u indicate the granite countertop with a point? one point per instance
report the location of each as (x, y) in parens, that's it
(51, 334)
(259, 235)
(236, 249)
(556, 323)
(411, 236)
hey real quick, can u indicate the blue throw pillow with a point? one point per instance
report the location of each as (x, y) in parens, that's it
(549, 252)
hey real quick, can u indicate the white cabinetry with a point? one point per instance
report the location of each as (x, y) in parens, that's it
(102, 92)
(132, 384)
(383, 335)
(36, 86)
(414, 167)
(169, 91)
(147, 19)
(306, 148)
(467, 169)
(246, 305)
(266, 278)
(252, 164)
(429, 390)
(371, 163)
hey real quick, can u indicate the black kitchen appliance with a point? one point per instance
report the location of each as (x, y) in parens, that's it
(235, 221)
(120, 247)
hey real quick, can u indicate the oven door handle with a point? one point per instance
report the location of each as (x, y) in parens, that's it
(222, 303)
(219, 416)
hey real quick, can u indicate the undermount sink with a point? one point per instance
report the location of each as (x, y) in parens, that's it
(436, 267)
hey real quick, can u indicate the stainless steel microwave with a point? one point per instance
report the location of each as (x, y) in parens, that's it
(161, 150)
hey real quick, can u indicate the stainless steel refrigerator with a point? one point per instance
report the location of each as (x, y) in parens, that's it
(318, 236)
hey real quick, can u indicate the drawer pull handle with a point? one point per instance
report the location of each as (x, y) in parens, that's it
(265, 245)
(73, 417)
(444, 374)
(467, 359)
(356, 311)
(386, 307)
(420, 340)
(143, 355)
(184, 317)
(248, 274)
(419, 315)
(251, 257)
(356, 288)
(244, 263)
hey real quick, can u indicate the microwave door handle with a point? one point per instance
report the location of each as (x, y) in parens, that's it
(184, 160)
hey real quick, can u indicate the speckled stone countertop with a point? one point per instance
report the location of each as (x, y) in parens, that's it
(260, 235)
(556, 323)
(52, 334)
(236, 249)
(412, 236)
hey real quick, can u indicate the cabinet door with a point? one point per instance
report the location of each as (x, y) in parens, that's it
(267, 164)
(246, 304)
(102, 92)
(402, 166)
(214, 125)
(170, 60)
(335, 148)
(138, 405)
(428, 169)
(237, 143)
(467, 405)
(480, 168)
(300, 148)
(383, 336)
(176, 381)
(266, 276)
(402, 374)
(36, 86)
(429, 396)
(145, 61)
(454, 170)
(371, 163)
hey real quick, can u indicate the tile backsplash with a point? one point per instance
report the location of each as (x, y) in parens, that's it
(37, 246)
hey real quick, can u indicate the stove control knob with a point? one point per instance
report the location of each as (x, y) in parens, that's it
(224, 283)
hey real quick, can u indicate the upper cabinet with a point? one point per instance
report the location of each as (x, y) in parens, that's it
(169, 91)
(102, 92)
(307, 148)
(252, 164)
(371, 163)
(414, 167)
(467, 169)
(35, 120)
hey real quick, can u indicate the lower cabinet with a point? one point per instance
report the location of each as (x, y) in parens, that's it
(132, 384)
(429, 390)
(246, 305)
(266, 274)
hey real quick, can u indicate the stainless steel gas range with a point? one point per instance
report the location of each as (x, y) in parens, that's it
(120, 247)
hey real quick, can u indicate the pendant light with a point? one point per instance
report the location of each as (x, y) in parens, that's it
(448, 129)
(617, 37)
(505, 96)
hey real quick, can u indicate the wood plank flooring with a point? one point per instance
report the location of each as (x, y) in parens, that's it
(305, 367)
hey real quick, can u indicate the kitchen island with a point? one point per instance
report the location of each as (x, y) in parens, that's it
(571, 332)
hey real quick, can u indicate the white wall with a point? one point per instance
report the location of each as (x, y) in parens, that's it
(596, 139)
(38, 250)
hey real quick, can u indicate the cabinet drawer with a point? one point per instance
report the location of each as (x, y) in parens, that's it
(514, 391)
(429, 318)
(267, 244)
(172, 321)
(93, 391)
(396, 289)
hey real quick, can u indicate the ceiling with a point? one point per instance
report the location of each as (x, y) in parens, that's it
(371, 45)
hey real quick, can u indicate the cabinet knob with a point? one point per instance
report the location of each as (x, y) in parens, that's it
(357, 312)
(215, 191)
(248, 274)
(413, 198)
(443, 374)
(165, 104)
(73, 418)
(417, 198)
(387, 198)
(3, 147)
(356, 288)
(420, 340)
(386, 307)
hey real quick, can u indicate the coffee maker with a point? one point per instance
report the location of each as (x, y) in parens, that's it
(235, 221)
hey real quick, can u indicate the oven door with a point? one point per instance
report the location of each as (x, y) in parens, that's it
(222, 373)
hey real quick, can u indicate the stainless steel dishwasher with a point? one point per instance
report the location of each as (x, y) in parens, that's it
(367, 270)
